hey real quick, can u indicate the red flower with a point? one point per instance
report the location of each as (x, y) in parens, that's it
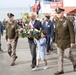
(21, 30)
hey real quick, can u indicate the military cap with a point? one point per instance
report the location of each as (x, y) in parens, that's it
(59, 10)
(10, 15)
(47, 16)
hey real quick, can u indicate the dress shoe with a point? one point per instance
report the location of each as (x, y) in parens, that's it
(59, 72)
(74, 67)
(13, 61)
(32, 66)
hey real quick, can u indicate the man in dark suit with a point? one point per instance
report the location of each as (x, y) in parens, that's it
(48, 26)
(34, 24)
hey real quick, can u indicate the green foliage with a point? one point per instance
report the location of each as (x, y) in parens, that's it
(25, 16)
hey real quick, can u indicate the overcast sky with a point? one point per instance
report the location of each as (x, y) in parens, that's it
(15, 3)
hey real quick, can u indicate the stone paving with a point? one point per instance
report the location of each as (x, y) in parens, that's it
(23, 62)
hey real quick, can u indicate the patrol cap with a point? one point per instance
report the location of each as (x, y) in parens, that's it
(59, 10)
(47, 16)
(10, 15)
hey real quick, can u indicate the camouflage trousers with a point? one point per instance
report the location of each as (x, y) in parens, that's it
(11, 48)
(68, 54)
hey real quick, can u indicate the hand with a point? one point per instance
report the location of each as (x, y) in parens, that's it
(55, 44)
(34, 38)
(72, 45)
(13, 41)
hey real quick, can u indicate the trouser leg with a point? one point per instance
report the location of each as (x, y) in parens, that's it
(0, 42)
(9, 48)
(48, 43)
(68, 54)
(13, 44)
(33, 53)
(60, 59)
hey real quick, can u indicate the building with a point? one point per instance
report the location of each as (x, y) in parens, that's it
(48, 6)
(68, 5)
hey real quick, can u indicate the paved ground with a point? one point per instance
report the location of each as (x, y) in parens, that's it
(23, 62)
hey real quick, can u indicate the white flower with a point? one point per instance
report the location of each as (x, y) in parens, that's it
(26, 24)
(31, 29)
(36, 30)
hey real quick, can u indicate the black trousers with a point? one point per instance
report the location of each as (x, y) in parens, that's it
(48, 43)
(32, 46)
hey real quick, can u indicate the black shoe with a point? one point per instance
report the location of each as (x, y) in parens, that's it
(13, 63)
(32, 66)
(74, 67)
(57, 73)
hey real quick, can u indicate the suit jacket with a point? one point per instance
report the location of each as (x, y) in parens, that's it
(37, 25)
(65, 35)
(49, 28)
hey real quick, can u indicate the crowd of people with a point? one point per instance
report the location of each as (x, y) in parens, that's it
(60, 30)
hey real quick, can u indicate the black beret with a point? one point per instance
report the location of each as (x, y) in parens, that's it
(10, 15)
(47, 16)
(59, 10)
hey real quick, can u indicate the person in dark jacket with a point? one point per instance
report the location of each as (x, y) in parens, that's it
(48, 26)
(34, 24)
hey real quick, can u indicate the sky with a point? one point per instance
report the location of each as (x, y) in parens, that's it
(15, 3)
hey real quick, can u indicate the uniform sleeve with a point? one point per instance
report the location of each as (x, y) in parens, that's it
(56, 35)
(16, 35)
(6, 36)
(71, 30)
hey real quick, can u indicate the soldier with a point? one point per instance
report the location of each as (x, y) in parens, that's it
(65, 39)
(11, 37)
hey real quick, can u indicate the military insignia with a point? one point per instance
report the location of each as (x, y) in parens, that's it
(64, 24)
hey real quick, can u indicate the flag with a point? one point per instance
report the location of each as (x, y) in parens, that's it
(35, 8)
(38, 5)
